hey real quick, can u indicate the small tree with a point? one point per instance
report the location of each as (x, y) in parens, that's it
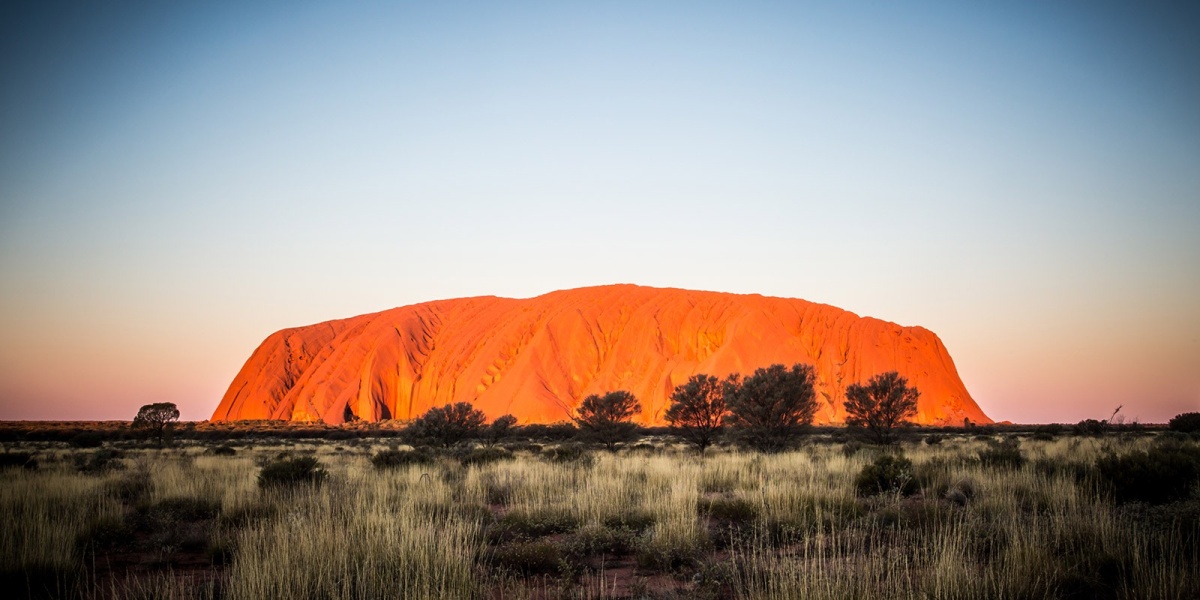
(771, 407)
(881, 405)
(1185, 422)
(157, 417)
(697, 412)
(500, 429)
(447, 425)
(606, 418)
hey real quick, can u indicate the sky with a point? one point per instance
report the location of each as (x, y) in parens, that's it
(180, 179)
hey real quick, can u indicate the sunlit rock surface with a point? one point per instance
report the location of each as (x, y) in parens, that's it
(537, 358)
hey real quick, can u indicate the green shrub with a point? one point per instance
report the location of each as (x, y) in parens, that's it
(1185, 422)
(520, 525)
(538, 557)
(890, 473)
(223, 450)
(597, 540)
(1090, 427)
(662, 555)
(291, 471)
(394, 458)
(86, 439)
(934, 439)
(132, 487)
(735, 511)
(636, 521)
(98, 462)
(1002, 455)
(23, 460)
(1165, 472)
(570, 454)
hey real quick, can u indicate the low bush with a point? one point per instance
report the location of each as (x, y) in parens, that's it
(86, 439)
(934, 439)
(287, 472)
(570, 454)
(1002, 455)
(537, 557)
(393, 458)
(735, 511)
(132, 487)
(1165, 472)
(99, 462)
(636, 521)
(1090, 427)
(527, 526)
(656, 554)
(597, 540)
(890, 473)
(22, 460)
(1185, 422)
(223, 450)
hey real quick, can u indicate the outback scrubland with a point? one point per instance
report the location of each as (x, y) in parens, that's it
(980, 513)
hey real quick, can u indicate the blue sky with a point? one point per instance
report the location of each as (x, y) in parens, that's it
(178, 180)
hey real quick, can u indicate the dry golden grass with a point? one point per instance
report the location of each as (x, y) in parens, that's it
(663, 524)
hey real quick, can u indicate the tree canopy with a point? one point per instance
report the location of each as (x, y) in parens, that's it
(881, 405)
(157, 417)
(697, 412)
(605, 418)
(771, 407)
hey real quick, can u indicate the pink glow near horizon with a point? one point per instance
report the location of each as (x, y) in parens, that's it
(177, 184)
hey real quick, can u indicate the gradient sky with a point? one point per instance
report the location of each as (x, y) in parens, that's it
(178, 180)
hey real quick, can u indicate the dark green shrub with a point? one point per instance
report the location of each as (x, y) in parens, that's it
(87, 439)
(394, 458)
(447, 425)
(636, 521)
(537, 557)
(515, 526)
(569, 454)
(851, 448)
(597, 540)
(1002, 455)
(291, 471)
(735, 511)
(98, 462)
(223, 450)
(132, 487)
(1185, 422)
(934, 439)
(23, 460)
(1164, 473)
(1090, 427)
(890, 473)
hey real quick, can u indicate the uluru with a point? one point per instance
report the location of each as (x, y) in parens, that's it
(537, 358)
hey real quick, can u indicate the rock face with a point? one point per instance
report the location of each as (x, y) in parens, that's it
(538, 358)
